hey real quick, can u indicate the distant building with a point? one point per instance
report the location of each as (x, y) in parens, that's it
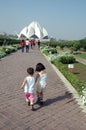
(3, 34)
(34, 30)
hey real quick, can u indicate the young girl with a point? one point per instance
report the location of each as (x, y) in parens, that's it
(41, 82)
(28, 85)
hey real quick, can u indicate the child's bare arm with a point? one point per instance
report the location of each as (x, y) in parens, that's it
(23, 84)
(37, 76)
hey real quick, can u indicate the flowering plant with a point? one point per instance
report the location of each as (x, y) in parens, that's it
(83, 95)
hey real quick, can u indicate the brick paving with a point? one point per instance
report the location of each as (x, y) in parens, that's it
(60, 111)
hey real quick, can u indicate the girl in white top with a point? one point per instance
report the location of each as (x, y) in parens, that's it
(28, 86)
(41, 82)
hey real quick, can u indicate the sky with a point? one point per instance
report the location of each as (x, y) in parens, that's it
(63, 19)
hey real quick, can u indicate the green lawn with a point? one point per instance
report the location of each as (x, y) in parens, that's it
(79, 68)
(80, 71)
(82, 55)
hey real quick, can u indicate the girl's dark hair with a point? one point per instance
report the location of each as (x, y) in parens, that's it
(30, 71)
(40, 67)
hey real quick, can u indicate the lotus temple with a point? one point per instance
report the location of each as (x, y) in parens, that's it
(33, 31)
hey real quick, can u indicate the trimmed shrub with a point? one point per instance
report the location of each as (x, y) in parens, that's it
(67, 59)
(9, 49)
(2, 54)
(4, 50)
(47, 50)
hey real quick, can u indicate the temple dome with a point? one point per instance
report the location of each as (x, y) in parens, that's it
(34, 30)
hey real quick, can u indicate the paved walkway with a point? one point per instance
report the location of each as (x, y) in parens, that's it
(83, 61)
(60, 111)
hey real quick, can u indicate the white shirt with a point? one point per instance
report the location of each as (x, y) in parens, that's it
(27, 42)
(42, 79)
(29, 87)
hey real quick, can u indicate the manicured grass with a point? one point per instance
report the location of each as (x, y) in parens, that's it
(79, 68)
(82, 55)
(80, 71)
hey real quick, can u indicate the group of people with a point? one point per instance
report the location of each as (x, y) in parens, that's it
(34, 86)
(26, 44)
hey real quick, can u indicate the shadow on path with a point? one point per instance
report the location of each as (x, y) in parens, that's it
(59, 98)
(67, 95)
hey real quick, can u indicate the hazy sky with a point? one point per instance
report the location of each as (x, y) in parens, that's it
(63, 19)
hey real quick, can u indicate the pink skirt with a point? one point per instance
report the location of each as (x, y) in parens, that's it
(30, 96)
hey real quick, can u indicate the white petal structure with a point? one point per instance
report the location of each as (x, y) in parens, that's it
(34, 30)
(23, 32)
(45, 34)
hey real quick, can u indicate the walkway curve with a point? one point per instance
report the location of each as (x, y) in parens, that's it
(60, 112)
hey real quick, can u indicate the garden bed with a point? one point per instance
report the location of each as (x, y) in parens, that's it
(77, 77)
(5, 50)
(80, 71)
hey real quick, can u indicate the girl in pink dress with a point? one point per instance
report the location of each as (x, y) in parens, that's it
(28, 86)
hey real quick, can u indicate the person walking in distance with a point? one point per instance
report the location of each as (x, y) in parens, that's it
(27, 45)
(40, 80)
(28, 86)
(22, 45)
(38, 44)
